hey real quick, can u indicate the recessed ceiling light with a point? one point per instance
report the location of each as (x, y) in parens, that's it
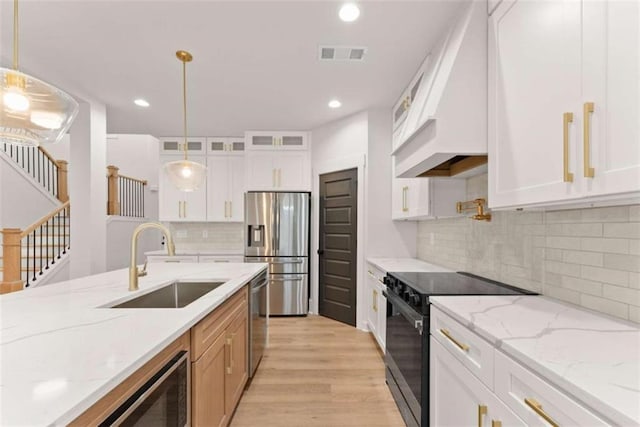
(141, 102)
(334, 103)
(349, 12)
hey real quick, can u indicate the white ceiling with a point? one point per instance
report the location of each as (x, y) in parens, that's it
(255, 63)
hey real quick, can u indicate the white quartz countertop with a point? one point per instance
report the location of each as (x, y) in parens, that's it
(406, 265)
(60, 352)
(195, 251)
(592, 357)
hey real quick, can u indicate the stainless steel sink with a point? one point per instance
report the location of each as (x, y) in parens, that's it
(175, 295)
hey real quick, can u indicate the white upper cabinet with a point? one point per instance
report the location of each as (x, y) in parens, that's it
(225, 145)
(175, 145)
(225, 188)
(276, 140)
(404, 105)
(445, 126)
(278, 171)
(423, 198)
(564, 125)
(180, 206)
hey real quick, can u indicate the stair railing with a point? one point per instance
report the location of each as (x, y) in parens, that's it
(125, 195)
(41, 245)
(51, 174)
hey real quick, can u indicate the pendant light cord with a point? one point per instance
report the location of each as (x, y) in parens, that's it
(184, 104)
(15, 35)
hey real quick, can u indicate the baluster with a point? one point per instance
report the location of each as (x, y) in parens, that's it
(47, 242)
(143, 200)
(34, 254)
(56, 226)
(27, 266)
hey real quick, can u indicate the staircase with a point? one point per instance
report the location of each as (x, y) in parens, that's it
(29, 255)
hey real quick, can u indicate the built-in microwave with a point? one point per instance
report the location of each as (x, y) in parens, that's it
(163, 401)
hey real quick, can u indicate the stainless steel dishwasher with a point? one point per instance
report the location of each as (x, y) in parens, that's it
(258, 314)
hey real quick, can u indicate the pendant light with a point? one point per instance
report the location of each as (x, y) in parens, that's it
(31, 111)
(185, 174)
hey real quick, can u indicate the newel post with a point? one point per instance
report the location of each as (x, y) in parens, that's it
(63, 185)
(12, 260)
(113, 204)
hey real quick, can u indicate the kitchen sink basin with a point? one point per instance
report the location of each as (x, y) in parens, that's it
(175, 295)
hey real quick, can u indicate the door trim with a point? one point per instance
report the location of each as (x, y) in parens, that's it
(336, 165)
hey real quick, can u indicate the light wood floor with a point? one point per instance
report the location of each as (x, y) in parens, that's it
(318, 372)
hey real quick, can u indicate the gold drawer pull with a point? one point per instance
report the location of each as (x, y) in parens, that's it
(589, 172)
(460, 345)
(482, 411)
(496, 423)
(537, 408)
(566, 119)
(230, 346)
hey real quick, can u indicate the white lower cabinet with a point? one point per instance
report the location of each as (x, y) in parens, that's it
(376, 305)
(458, 398)
(473, 383)
(537, 401)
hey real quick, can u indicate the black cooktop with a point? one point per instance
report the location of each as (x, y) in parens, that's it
(431, 284)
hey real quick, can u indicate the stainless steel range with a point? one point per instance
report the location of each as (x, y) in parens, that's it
(407, 333)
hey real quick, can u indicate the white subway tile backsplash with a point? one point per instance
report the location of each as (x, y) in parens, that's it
(622, 262)
(618, 293)
(589, 257)
(615, 246)
(629, 230)
(604, 305)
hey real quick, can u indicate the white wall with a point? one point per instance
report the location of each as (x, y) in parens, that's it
(22, 202)
(385, 238)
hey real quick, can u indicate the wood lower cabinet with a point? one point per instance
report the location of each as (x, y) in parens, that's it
(219, 370)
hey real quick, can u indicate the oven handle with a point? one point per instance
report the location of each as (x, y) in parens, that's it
(152, 388)
(407, 312)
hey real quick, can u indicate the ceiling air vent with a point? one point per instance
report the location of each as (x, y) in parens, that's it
(342, 53)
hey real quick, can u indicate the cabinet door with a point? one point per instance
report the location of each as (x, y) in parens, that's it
(611, 52)
(218, 188)
(238, 362)
(208, 380)
(382, 318)
(399, 207)
(175, 145)
(195, 202)
(534, 77)
(457, 398)
(260, 173)
(292, 140)
(236, 188)
(292, 171)
(372, 302)
(170, 198)
(236, 144)
(217, 145)
(260, 140)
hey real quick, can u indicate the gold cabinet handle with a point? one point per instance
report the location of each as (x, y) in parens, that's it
(589, 172)
(230, 208)
(482, 411)
(405, 196)
(496, 423)
(375, 300)
(279, 178)
(184, 208)
(273, 177)
(230, 347)
(537, 408)
(179, 209)
(226, 209)
(460, 345)
(566, 119)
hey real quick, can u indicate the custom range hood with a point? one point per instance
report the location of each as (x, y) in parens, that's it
(445, 132)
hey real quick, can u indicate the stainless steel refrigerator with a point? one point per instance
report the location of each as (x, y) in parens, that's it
(277, 232)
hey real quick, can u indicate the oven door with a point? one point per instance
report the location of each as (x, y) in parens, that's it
(164, 400)
(405, 352)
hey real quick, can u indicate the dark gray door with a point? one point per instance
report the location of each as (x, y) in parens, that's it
(338, 243)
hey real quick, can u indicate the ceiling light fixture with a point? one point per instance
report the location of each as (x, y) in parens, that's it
(334, 103)
(349, 12)
(185, 174)
(31, 111)
(141, 102)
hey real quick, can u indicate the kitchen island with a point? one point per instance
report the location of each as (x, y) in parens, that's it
(62, 349)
